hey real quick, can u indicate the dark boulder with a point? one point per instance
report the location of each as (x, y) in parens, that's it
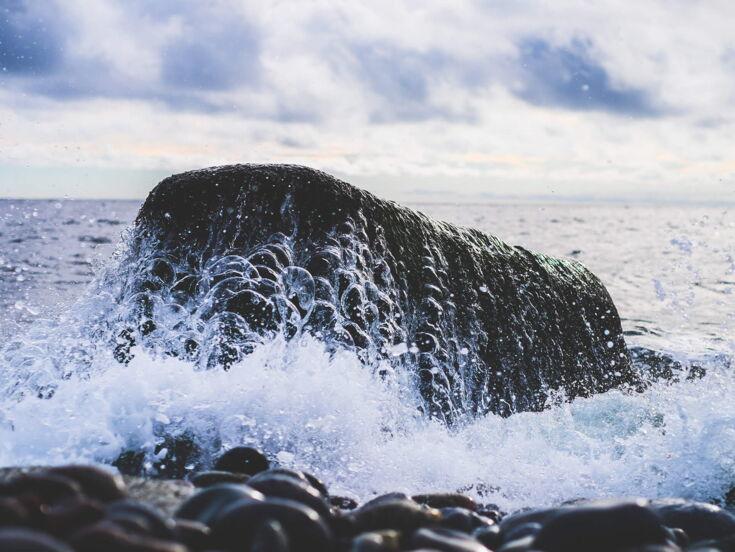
(253, 251)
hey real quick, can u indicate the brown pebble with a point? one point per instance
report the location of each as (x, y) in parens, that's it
(446, 500)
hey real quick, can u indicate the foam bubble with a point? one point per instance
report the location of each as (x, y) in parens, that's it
(359, 429)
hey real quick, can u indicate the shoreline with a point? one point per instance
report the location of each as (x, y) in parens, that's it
(244, 503)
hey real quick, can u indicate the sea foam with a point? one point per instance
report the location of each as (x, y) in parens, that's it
(362, 433)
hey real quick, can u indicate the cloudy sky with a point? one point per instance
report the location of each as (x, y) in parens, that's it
(493, 99)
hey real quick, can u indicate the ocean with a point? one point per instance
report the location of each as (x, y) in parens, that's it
(670, 270)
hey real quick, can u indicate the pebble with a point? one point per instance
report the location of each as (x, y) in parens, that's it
(298, 475)
(237, 526)
(109, 537)
(68, 516)
(206, 505)
(401, 514)
(13, 512)
(101, 484)
(343, 502)
(283, 486)
(80, 508)
(377, 541)
(530, 528)
(698, 520)
(44, 488)
(212, 477)
(245, 460)
(192, 533)
(489, 536)
(446, 540)
(463, 520)
(18, 539)
(270, 536)
(521, 545)
(156, 524)
(601, 526)
(446, 500)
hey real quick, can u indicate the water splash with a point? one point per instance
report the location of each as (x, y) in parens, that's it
(363, 434)
(65, 397)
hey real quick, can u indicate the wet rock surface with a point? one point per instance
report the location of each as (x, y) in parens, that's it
(86, 508)
(229, 257)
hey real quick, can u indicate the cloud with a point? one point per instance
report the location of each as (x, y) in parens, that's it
(503, 91)
(568, 77)
(403, 80)
(205, 53)
(30, 44)
(211, 59)
(216, 56)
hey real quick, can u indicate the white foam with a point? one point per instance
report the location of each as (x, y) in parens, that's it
(362, 434)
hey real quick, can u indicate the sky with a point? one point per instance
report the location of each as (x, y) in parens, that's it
(436, 100)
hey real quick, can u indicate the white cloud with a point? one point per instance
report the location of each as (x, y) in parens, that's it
(530, 97)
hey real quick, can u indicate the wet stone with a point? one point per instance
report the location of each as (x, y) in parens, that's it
(174, 456)
(18, 539)
(323, 264)
(209, 478)
(343, 502)
(461, 519)
(45, 488)
(245, 460)
(489, 536)
(109, 536)
(725, 544)
(377, 541)
(70, 515)
(193, 534)
(281, 253)
(13, 512)
(238, 524)
(602, 527)
(317, 483)
(98, 483)
(323, 290)
(521, 517)
(206, 505)
(400, 514)
(282, 486)
(700, 521)
(446, 540)
(524, 544)
(358, 336)
(267, 259)
(520, 531)
(164, 494)
(270, 536)
(156, 523)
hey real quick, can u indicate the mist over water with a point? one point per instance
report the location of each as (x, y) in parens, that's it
(669, 270)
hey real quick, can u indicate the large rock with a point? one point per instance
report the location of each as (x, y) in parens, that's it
(487, 327)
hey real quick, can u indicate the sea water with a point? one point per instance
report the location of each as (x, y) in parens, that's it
(670, 270)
